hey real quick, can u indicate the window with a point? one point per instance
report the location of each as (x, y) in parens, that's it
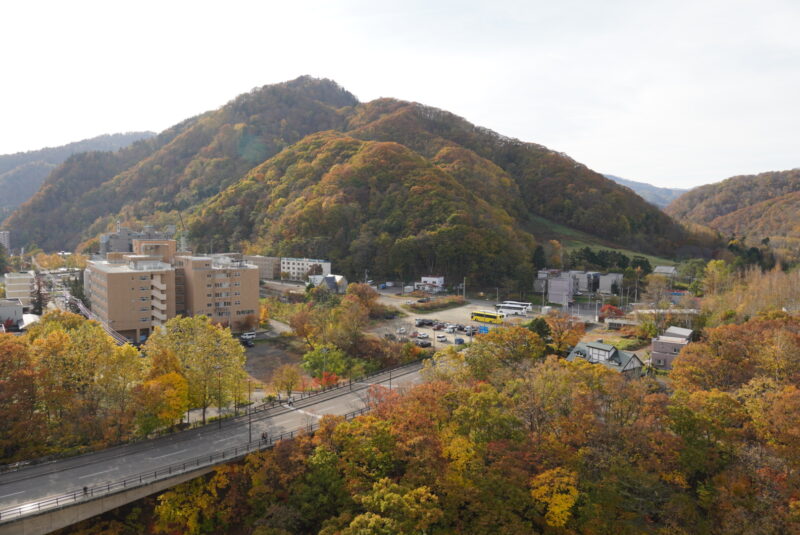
(143, 278)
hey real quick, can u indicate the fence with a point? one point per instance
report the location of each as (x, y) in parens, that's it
(145, 478)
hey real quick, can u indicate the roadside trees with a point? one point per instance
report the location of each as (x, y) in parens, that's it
(211, 360)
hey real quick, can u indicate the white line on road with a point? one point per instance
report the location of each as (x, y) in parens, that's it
(303, 412)
(168, 454)
(12, 494)
(97, 473)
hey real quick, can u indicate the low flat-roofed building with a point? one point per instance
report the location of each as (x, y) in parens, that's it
(269, 267)
(10, 314)
(5, 240)
(297, 269)
(19, 285)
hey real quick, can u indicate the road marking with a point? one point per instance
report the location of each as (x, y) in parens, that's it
(97, 473)
(12, 494)
(302, 411)
(168, 454)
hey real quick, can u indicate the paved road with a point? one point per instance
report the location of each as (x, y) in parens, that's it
(38, 482)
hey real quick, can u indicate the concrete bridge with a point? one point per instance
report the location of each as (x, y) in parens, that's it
(38, 499)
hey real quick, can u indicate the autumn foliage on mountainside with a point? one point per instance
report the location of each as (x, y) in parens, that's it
(407, 187)
(756, 207)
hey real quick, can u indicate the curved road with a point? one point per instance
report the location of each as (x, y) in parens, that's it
(30, 485)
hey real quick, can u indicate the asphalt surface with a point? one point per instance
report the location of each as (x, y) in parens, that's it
(38, 482)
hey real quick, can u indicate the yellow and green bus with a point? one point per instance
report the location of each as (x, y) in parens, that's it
(488, 316)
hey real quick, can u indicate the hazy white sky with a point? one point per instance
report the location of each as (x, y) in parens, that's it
(672, 93)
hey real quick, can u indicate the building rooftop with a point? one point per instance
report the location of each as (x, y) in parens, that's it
(6, 302)
(678, 332)
(304, 260)
(129, 267)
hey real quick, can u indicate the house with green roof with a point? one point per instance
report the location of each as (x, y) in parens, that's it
(624, 362)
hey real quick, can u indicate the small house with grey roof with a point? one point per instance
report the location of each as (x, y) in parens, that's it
(624, 362)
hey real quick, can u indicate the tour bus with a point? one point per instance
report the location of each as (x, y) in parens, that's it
(511, 310)
(487, 316)
(528, 306)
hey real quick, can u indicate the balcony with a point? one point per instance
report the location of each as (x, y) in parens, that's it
(156, 283)
(158, 294)
(158, 315)
(159, 305)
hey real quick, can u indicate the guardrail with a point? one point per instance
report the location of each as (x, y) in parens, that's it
(145, 478)
(338, 389)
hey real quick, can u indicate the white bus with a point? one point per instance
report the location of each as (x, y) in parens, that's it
(511, 310)
(528, 306)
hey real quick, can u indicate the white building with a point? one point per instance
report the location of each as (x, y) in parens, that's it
(19, 286)
(430, 284)
(10, 314)
(296, 269)
(5, 240)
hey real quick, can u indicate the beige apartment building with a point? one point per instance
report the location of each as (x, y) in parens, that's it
(269, 267)
(137, 292)
(133, 294)
(223, 287)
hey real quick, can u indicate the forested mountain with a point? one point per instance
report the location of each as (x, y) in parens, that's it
(752, 206)
(22, 173)
(302, 168)
(661, 197)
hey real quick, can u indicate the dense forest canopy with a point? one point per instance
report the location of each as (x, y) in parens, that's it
(22, 173)
(420, 177)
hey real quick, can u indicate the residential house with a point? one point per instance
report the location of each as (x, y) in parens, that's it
(667, 346)
(335, 283)
(624, 362)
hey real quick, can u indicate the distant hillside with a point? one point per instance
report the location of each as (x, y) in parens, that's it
(22, 173)
(661, 197)
(303, 168)
(760, 206)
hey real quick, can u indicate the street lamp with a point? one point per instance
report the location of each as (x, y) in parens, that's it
(219, 394)
(249, 411)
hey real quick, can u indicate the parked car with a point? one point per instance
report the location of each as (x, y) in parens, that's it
(460, 327)
(423, 300)
(401, 330)
(450, 329)
(422, 335)
(471, 331)
(419, 322)
(441, 338)
(458, 341)
(424, 343)
(246, 342)
(438, 327)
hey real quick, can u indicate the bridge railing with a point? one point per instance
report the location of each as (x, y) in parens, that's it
(145, 478)
(255, 409)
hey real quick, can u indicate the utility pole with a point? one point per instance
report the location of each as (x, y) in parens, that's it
(464, 288)
(365, 276)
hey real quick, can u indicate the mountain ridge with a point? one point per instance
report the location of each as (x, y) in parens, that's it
(22, 173)
(201, 167)
(656, 195)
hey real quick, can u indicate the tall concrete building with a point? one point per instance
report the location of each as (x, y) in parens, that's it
(5, 240)
(223, 287)
(133, 294)
(136, 292)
